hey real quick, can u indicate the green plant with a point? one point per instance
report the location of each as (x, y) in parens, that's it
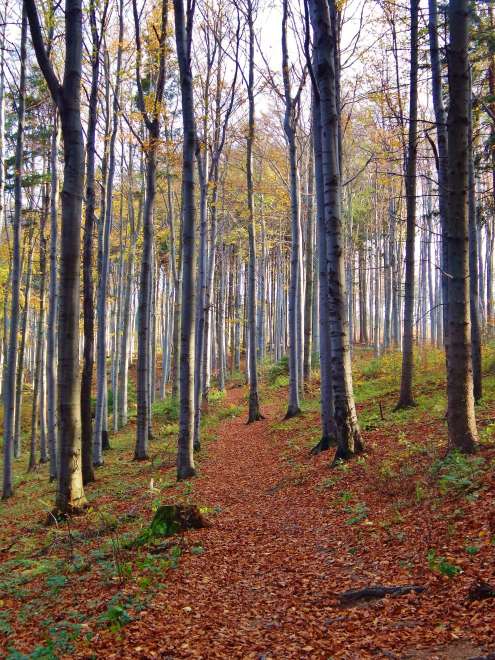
(441, 565)
(5, 627)
(359, 512)
(230, 411)
(458, 473)
(472, 549)
(116, 616)
(346, 496)
(373, 369)
(167, 408)
(277, 370)
(56, 582)
(215, 395)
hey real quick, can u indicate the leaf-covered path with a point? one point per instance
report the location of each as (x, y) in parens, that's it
(279, 551)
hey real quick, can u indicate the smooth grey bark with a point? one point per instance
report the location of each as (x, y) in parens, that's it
(100, 438)
(126, 312)
(327, 410)
(116, 361)
(15, 283)
(177, 274)
(237, 311)
(21, 353)
(290, 123)
(254, 413)
(51, 335)
(67, 96)
(406, 398)
(222, 293)
(152, 123)
(441, 130)
(309, 288)
(347, 428)
(460, 400)
(36, 411)
(89, 221)
(185, 450)
(473, 264)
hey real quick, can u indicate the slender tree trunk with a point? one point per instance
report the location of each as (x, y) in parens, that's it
(295, 274)
(51, 339)
(88, 293)
(406, 398)
(473, 266)
(100, 439)
(460, 411)
(328, 432)
(348, 434)
(254, 407)
(442, 157)
(308, 293)
(38, 372)
(185, 454)
(22, 346)
(10, 383)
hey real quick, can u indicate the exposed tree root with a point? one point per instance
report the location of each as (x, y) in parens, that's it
(375, 592)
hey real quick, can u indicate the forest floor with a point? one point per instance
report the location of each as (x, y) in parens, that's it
(288, 535)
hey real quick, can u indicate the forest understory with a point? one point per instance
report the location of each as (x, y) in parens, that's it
(288, 536)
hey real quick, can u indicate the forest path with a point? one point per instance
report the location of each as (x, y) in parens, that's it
(279, 549)
(260, 588)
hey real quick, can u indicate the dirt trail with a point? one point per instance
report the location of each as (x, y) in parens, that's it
(264, 587)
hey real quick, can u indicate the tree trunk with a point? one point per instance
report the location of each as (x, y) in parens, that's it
(185, 457)
(19, 386)
(460, 411)
(406, 398)
(309, 289)
(10, 382)
(348, 434)
(254, 407)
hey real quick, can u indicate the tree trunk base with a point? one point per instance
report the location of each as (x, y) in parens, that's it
(255, 417)
(105, 442)
(197, 445)
(139, 457)
(89, 477)
(405, 404)
(56, 515)
(343, 454)
(292, 411)
(254, 414)
(185, 472)
(324, 445)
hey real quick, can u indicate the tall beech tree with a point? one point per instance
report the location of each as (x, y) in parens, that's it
(295, 286)
(185, 449)
(150, 107)
(67, 98)
(406, 399)
(460, 399)
(339, 358)
(11, 380)
(89, 222)
(254, 413)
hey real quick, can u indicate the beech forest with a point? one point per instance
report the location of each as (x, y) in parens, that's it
(247, 329)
